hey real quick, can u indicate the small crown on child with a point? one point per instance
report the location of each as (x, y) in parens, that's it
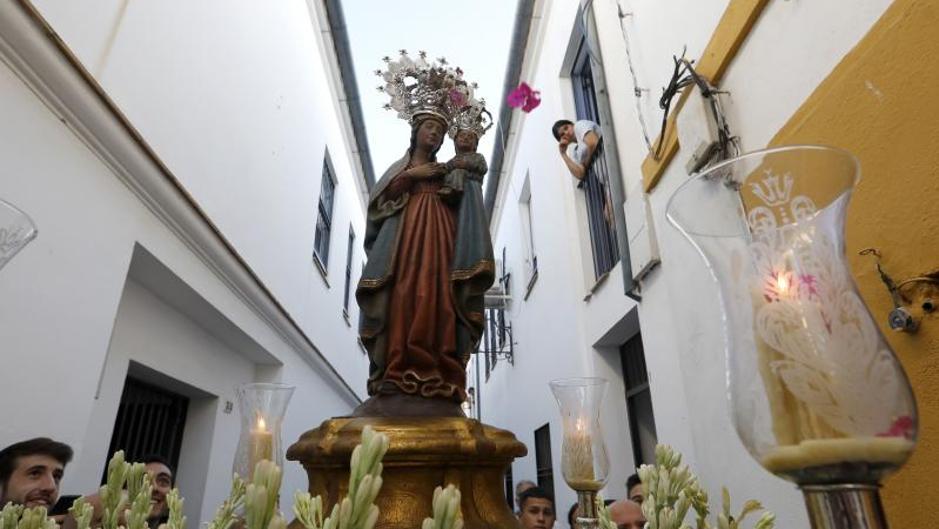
(418, 87)
(473, 117)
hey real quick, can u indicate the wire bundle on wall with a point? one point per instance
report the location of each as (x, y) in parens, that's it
(684, 75)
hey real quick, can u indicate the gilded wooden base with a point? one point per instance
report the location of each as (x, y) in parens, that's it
(424, 452)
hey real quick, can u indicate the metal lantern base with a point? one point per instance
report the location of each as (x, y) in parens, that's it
(587, 510)
(845, 506)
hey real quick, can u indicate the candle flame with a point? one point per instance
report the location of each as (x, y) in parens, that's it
(580, 425)
(262, 426)
(782, 283)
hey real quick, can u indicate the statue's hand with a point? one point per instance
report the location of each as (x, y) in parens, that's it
(428, 171)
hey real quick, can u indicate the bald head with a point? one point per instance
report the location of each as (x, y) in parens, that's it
(627, 514)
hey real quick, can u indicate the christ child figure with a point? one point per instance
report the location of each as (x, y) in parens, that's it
(466, 163)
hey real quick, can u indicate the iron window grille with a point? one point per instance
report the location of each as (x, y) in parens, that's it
(150, 421)
(596, 184)
(497, 339)
(638, 401)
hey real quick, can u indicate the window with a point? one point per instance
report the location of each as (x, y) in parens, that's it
(528, 236)
(596, 185)
(324, 218)
(150, 420)
(543, 465)
(638, 401)
(345, 298)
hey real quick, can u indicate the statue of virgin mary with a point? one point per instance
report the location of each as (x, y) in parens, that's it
(430, 260)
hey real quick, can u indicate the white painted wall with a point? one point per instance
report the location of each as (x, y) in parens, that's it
(207, 104)
(239, 101)
(791, 49)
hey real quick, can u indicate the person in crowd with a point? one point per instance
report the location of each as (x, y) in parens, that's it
(537, 509)
(634, 489)
(577, 143)
(161, 477)
(521, 487)
(161, 481)
(627, 514)
(31, 471)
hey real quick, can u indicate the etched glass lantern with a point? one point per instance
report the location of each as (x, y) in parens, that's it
(585, 463)
(817, 396)
(16, 231)
(262, 407)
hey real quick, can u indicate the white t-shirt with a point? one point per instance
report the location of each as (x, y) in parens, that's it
(578, 151)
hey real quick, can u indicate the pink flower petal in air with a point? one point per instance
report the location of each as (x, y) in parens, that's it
(519, 96)
(534, 99)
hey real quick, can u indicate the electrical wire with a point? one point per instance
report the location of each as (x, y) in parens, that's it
(632, 73)
(683, 75)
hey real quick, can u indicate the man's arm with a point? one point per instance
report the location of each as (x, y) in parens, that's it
(577, 170)
(591, 140)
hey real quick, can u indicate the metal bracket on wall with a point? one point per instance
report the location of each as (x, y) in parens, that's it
(900, 318)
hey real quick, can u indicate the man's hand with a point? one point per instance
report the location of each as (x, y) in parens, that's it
(427, 171)
(562, 145)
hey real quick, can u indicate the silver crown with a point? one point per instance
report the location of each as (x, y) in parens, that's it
(473, 117)
(418, 87)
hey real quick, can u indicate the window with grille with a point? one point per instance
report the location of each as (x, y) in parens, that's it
(596, 185)
(150, 421)
(324, 218)
(638, 401)
(345, 295)
(543, 465)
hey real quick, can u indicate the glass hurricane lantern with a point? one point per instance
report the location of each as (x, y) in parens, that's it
(262, 407)
(16, 231)
(816, 394)
(585, 463)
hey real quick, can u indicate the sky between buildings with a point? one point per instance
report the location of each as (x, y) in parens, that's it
(474, 35)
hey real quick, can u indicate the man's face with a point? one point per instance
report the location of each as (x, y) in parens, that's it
(635, 494)
(627, 515)
(34, 482)
(537, 513)
(162, 479)
(567, 133)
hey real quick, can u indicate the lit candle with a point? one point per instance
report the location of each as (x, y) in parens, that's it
(577, 462)
(260, 445)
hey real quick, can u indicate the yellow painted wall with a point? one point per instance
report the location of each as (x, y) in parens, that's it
(882, 103)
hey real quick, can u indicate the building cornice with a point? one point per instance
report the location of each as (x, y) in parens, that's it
(33, 50)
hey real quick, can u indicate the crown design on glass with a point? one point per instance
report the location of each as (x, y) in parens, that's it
(773, 192)
(418, 87)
